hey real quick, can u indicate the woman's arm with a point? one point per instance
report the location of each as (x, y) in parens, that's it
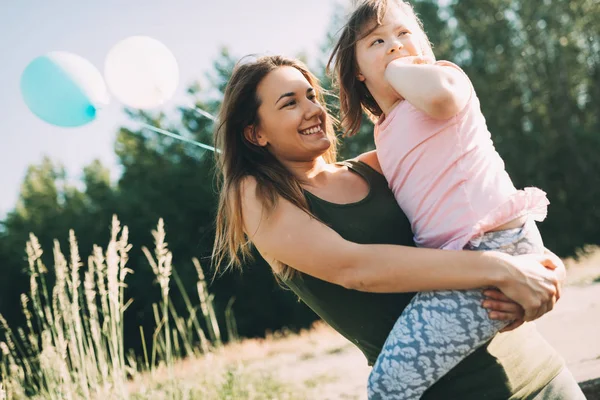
(290, 236)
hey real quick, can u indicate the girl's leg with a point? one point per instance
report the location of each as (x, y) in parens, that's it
(439, 329)
(434, 333)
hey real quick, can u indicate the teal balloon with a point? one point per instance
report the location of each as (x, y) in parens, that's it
(63, 89)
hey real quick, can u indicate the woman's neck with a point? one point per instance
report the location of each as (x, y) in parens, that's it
(310, 172)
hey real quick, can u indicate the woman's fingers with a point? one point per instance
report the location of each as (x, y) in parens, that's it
(533, 311)
(502, 308)
(495, 305)
(549, 260)
(543, 309)
(514, 325)
(560, 270)
(537, 313)
(496, 295)
(501, 316)
(534, 283)
(548, 305)
(553, 262)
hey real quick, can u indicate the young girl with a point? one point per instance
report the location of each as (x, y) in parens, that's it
(437, 156)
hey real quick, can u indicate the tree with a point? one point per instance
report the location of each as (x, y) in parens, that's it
(48, 205)
(536, 68)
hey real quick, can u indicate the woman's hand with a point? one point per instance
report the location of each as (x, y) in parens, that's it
(502, 308)
(535, 287)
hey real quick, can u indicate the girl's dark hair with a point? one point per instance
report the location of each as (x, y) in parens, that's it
(354, 95)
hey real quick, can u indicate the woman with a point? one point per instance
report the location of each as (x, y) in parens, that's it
(281, 190)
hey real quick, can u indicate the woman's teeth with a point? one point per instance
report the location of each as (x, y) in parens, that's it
(311, 130)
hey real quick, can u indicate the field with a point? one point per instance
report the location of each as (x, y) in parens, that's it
(72, 347)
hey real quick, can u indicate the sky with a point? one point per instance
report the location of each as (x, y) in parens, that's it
(194, 31)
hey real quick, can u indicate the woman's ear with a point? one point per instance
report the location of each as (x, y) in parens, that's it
(360, 77)
(253, 135)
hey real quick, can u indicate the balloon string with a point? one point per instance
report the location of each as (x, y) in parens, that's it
(203, 113)
(183, 138)
(179, 137)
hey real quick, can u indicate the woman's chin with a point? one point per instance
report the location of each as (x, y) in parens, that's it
(323, 144)
(316, 146)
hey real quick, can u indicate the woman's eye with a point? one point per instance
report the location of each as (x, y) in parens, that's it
(376, 41)
(312, 97)
(403, 33)
(291, 103)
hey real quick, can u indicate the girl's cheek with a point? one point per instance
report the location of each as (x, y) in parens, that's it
(360, 55)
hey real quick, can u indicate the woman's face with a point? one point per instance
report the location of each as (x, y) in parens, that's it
(291, 121)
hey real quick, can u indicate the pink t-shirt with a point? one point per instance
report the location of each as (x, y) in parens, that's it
(447, 176)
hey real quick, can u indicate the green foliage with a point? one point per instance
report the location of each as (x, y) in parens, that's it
(536, 69)
(73, 344)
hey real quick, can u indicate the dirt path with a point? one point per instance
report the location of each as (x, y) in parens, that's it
(573, 329)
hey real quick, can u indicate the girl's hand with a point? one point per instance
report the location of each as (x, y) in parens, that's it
(502, 308)
(535, 287)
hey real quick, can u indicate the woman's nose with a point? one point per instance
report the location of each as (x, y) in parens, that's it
(313, 109)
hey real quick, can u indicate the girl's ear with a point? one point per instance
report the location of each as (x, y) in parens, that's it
(253, 135)
(360, 77)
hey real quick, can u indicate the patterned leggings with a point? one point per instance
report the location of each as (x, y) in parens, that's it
(439, 329)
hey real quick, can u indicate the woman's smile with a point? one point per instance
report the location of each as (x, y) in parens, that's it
(313, 130)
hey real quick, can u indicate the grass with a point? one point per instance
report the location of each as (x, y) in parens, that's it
(317, 381)
(72, 345)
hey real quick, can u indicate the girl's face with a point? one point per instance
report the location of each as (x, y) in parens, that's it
(291, 120)
(398, 36)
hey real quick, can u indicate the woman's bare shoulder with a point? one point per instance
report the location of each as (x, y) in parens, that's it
(369, 158)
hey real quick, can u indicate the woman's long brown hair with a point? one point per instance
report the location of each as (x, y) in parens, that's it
(239, 158)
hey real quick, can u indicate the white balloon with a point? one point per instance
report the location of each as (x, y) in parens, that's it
(141, 72)
(84, 74)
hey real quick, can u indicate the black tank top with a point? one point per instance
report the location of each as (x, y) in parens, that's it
(514, 365)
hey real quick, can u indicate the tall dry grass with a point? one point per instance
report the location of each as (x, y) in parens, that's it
(72, 346)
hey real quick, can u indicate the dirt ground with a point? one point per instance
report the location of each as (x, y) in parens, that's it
(326, 366)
